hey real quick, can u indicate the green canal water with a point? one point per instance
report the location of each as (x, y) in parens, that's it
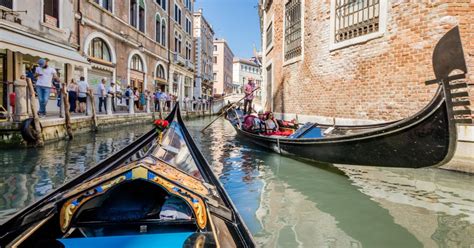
(284, 202)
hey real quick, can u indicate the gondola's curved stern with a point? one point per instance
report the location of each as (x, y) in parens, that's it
(450, 69)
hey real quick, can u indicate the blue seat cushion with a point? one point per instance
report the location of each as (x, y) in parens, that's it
(163, 240)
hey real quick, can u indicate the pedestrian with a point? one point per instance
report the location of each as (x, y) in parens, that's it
(72, 90)
(143, 97)
(249, 95)
(57, 88)
(12, 97)
(45, 76)
(102, 93)
(82, 88)
(112, 91)
(136, 98)
(128, 95)
(158, 95)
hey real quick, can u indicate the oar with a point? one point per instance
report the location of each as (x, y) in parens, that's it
(225, 111)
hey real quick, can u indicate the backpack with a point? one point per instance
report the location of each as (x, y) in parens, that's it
(127, 93)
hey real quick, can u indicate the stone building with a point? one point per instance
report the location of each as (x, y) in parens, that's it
(204, 37)
(29, 32)
(223, 68)
(357, 61)
(126, 42)
(245, 69)
(182, 48)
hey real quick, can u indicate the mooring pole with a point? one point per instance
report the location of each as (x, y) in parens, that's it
(94, 116)
(67, 114)
(38, 132)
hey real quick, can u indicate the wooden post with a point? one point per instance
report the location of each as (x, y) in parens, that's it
(94, 116)
(38, 132)
(67, 114)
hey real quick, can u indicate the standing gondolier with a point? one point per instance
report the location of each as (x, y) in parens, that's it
(249, 95)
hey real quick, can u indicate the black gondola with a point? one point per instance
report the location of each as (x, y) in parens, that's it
(426, 139)
(158, 191)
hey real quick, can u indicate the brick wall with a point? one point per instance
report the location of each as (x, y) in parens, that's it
(381, 79)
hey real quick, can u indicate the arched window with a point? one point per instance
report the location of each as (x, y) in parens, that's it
(163, 32)
(160, 72)
(137, 14)
(137, 63)
(158, 28)
(162, 3)
(99, 49)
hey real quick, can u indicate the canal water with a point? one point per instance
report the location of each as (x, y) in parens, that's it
(284, 202)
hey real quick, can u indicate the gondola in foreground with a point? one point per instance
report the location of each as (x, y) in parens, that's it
(426, 139)
(157, 192)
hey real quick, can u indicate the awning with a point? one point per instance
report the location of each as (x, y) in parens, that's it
(37, 46)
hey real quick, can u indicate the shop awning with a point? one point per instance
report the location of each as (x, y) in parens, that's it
(37, 46)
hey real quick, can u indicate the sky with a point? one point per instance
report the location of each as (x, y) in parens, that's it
(236, 21)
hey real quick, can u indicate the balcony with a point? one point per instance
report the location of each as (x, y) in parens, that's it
(177, 59)
(189, 65)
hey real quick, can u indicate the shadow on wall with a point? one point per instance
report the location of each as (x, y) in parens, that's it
(279, 97)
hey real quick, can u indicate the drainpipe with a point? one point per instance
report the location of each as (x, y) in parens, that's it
(79, 20)
(169, 46)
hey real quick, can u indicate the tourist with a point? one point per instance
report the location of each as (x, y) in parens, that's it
(143, 97)
(259, 123)
(128, 95)
(72, 90)
(45, 76)
(112, 91)
(249, 95)
(102, 95)
(158, 95)
(168, 97)
(136, 98)
(82, 88)
(271, 124)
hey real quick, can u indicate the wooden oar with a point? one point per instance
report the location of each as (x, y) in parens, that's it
(225, 111)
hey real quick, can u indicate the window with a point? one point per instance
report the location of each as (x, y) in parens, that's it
(188, 50)
(51, 12)
(7, 3)
(162, 3)
(177, 43)
(215, 59)
(137, 63)
(137, 14)
(177, 14)
(269, 35)
(158, 28)
(292, 29)
(188, 26)
(160, 72)
(188, 5)
(356, 18)
(98, 49)
(215, 48)
(163, 32)
(106, 4)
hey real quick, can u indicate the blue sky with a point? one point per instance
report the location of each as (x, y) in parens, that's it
(236, 21)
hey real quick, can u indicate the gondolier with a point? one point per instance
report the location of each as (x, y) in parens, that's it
(249, 95)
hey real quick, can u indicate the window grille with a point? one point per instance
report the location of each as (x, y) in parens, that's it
(269, 35)
(7, 3)
(292, 29)
(356, 18)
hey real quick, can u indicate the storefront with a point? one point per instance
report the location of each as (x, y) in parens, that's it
(3, 78)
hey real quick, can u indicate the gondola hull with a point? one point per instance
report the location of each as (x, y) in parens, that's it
(427, 138)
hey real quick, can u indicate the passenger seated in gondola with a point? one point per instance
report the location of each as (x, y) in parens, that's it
(272, 127)
(255, 124)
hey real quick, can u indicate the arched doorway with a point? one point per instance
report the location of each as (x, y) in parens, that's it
(160, 78)
(137, 73)
(102, 61)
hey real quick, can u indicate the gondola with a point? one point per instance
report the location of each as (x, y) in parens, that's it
(426, 139)
(159, 191)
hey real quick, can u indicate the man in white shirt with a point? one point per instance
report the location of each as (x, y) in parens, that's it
(45, 76)
(82, 88)
(112, 91)
(102, 95)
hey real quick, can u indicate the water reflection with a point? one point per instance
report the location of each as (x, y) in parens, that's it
(29, 174)
(288, 203)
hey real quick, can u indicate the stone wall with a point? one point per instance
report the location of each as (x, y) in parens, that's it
(380, 79)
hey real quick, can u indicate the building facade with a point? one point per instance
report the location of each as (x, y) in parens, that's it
(204, 37)
(30, 32)
(182, 48)
(244, 70)
(223, 67)
(356, 61)
(125, 42)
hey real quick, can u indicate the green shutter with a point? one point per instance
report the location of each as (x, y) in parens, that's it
(142, 3)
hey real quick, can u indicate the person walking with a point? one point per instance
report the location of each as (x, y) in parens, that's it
(158, 95)
(72, 90)
(82, 88)
(45, 76)
(112, 91)
(102, 95)
(136, 98)
(128, 95)
(143, 97)
(249, 95)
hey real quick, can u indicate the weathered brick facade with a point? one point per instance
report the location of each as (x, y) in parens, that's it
(380, 79)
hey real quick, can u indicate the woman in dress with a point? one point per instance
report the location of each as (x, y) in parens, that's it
(271, 124)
